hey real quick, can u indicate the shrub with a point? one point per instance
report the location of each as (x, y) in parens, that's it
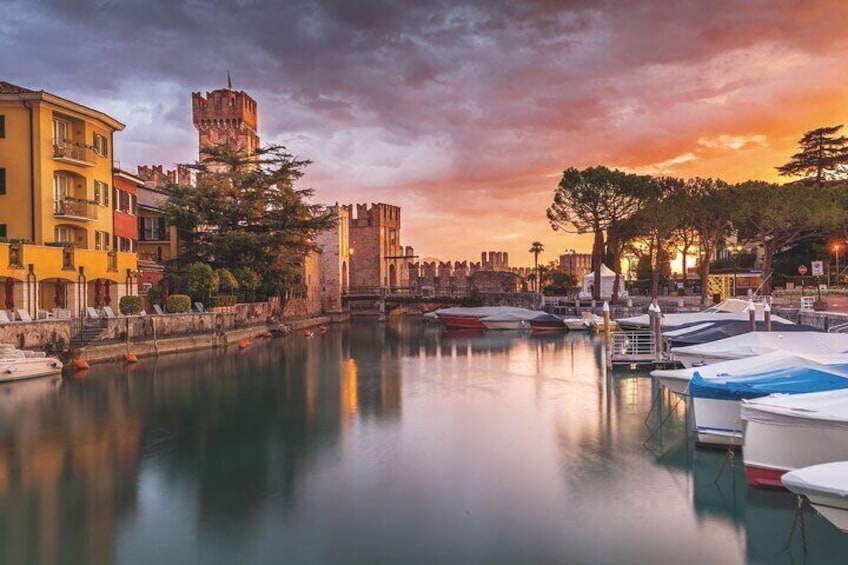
(178, 304)
(154, 294)
(227, 282)
(223, 300)
(199, 280)
(129, 305)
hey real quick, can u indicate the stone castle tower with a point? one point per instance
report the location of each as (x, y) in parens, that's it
(225, 115)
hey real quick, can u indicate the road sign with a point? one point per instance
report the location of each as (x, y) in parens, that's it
(818, 268)
(802, 270)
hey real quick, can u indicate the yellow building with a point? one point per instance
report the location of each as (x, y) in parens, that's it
(56, 214)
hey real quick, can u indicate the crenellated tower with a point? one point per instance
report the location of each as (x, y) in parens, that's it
(225, 115)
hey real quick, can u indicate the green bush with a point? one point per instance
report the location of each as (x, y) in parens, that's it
(154, 294)
(224, 300)
(178, 304)
(227, 282)
(199, 280)
(129, 305)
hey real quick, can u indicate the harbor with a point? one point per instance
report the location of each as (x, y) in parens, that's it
(397, 441)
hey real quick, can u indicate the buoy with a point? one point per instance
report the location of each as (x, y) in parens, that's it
(244, 344)
(322, 329)
(130, 358)
(80, 364)
(308, 333)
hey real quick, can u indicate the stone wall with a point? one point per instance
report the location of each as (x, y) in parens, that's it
(36, 335)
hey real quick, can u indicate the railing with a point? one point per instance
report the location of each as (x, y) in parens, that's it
(633, 346)
(154, 235)
(76, 153)
(75, 208)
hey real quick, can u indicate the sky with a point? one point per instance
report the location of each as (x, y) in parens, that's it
(464, 113)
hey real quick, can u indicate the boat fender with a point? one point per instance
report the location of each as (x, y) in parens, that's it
(130, 358)
(244, 344)
(11, 369)
(80, 364)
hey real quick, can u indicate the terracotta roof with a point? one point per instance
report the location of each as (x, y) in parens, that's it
(9, 88)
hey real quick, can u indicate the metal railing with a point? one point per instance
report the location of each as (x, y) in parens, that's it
(75, 208)
(68, 150)
(633, 346)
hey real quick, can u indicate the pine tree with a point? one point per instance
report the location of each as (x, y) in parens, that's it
(823, 156)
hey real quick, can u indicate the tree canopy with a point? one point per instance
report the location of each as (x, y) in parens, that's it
(823, 156)
(245, 212)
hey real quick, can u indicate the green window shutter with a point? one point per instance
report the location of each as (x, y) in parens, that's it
(2, 180)
(2, 127)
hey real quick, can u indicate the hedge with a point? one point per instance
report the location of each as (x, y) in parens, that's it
(130, 305)
(178, 304)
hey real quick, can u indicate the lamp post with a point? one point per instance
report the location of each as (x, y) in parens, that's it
(836, 253)
(571, 272)
(735, 249)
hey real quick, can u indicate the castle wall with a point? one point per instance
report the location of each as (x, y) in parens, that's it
(377, 256)
(335, 261)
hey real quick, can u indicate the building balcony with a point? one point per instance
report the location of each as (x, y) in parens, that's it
(73, 153)
(75, 209)
(147, 234)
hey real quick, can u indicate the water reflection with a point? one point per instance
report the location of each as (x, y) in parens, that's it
(376, 442)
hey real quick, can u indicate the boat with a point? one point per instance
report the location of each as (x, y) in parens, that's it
(547, 323)
(430, 317)
(707, 332)
(470, 318)
(507, 321)
(17, 364)
(672, 321)
(758, 343)
(788, 432)
(716, 399)
(826, 487)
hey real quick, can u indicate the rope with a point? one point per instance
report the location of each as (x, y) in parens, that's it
(799, 517)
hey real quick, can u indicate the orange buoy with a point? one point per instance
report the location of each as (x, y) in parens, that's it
(244, 344)
(80, 364)
(130, 358)
(308, 333)
(322, 329)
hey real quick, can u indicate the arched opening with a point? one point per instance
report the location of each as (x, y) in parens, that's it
(344, 276)
(392, 276)
(8, 299)
(101, 292)
(71, 235)
(53, 294)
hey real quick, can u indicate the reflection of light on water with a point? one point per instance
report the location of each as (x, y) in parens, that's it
(349, 388)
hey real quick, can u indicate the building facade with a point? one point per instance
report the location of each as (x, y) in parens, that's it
(377, 258)
(125, 209)
(335, 261)
(55, 211)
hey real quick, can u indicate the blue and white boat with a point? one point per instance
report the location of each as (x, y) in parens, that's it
(716, 396)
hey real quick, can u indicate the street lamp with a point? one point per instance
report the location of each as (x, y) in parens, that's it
(836, 247)
(735, 250)
(571, 265)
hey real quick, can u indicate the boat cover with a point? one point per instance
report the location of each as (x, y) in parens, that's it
(507, 317)
(828, 479)
(546, 318)
(724, 329)
(749, 365)
(757, 343)
(485, 311)
(818, 409)
(672, 321)
(787, 380)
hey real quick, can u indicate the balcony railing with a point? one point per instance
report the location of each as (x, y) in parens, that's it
(74, 153)
(75, 208)
(148, 234)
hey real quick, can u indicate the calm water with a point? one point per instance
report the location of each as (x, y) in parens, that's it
(376, 444)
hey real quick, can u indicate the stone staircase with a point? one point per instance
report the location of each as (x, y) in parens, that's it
(88, 332)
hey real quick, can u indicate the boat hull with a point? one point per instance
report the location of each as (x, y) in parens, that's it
(547, 326)
(462, 322)
(504, 325)
(28, 368)
(576, 325)
(675, 384)
(718, 422)
(770, 450)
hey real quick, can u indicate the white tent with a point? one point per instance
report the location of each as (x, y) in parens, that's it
(607, 283)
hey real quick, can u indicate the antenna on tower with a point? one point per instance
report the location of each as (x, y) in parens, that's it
(229, 80)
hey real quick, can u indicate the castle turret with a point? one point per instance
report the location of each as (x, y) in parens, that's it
(225, 115)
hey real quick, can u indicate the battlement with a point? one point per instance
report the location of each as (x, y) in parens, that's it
(224, 107)
(494, 260)
(156, 176)
(374, 215)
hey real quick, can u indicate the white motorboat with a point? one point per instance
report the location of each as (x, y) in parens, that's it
(826, 487)
(671, 321)
(716, 398)
(17, 364)
(505, 321)
(577, 324)
(788, 432)
(758, 343)
(470, 318)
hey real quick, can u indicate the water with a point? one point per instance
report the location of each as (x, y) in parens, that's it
(376, 444)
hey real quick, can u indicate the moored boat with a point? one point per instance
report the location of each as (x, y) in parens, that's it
(751, 344)
(826, 487)
(547, 323)
(507, 321)
(17, 364)
(788, 432)
(471, 318)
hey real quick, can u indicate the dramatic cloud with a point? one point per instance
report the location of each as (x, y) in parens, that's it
(463, 113)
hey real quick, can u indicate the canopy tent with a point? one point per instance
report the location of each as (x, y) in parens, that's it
(607, 284)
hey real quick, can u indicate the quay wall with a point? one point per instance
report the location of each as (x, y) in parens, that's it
(37, 334)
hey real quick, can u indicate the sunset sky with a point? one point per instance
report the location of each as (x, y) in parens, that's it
(463, 113)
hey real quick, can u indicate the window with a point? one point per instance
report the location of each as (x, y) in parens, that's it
(101, 193)
(2, 126)
(101, 240)
(63, 234)
(61, 186)
(61, 132)
(3, 232)
(2, 180)
(101, 145)
(153, 229)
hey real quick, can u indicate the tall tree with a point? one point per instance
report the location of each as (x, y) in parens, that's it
(709, 211)
(245, 211)
(823, 156)
(778, 216)
(536, 248)
(590, 201)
